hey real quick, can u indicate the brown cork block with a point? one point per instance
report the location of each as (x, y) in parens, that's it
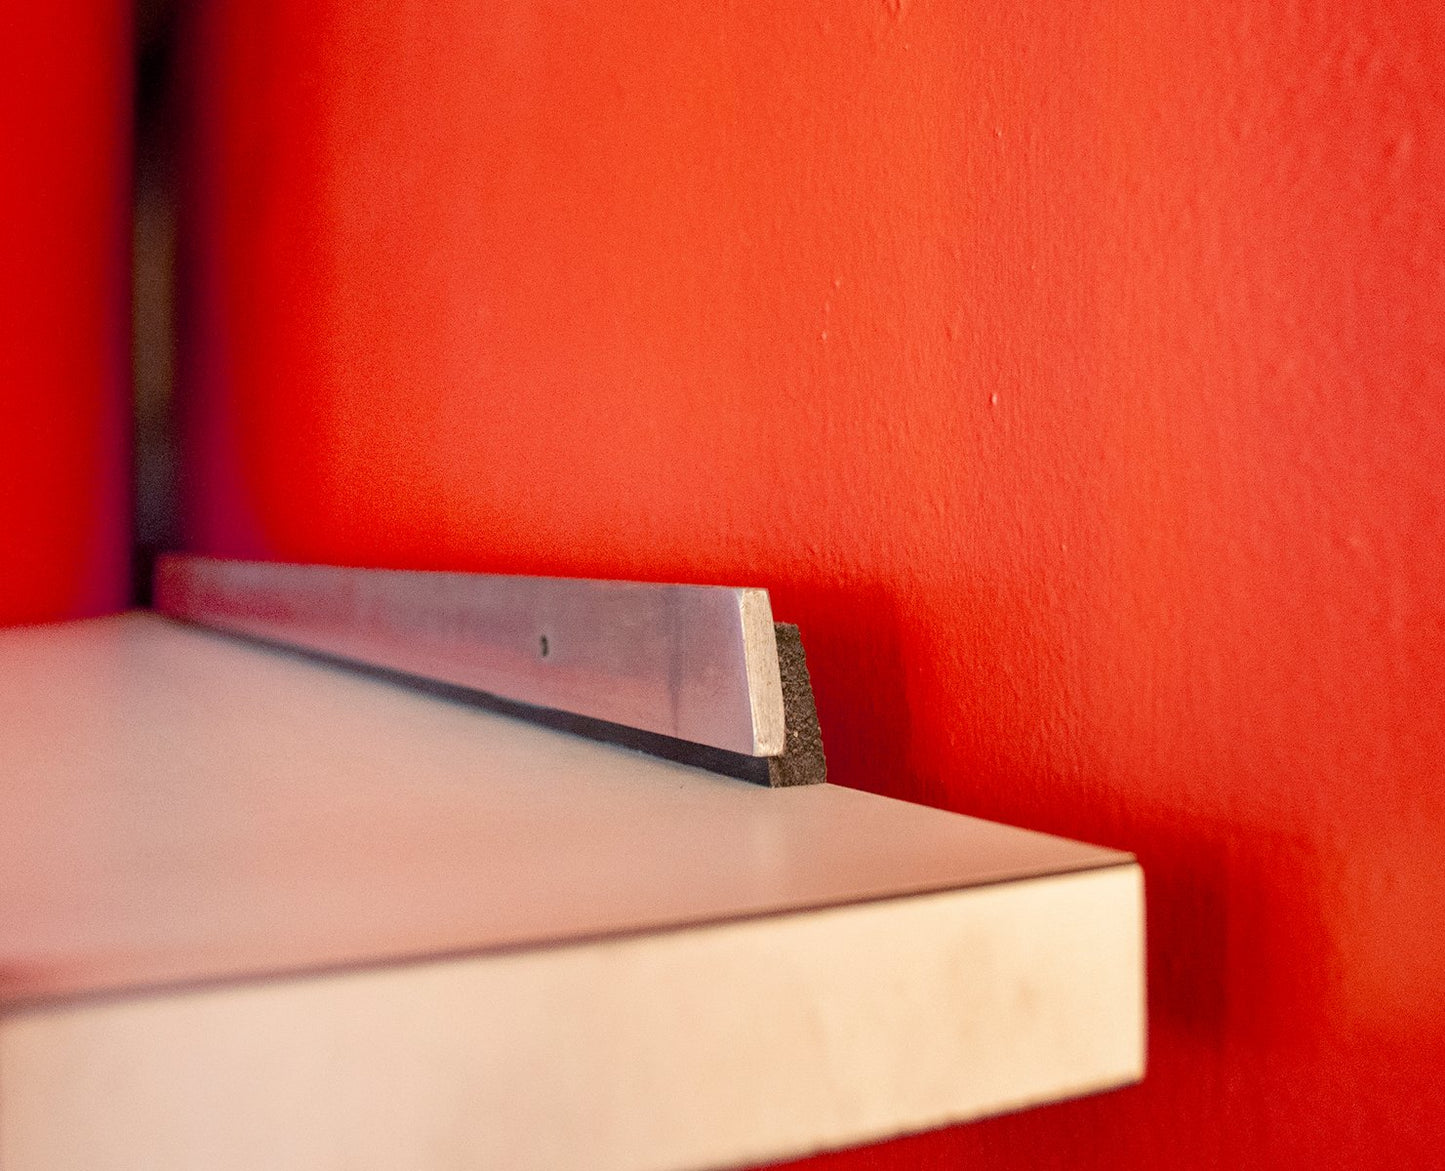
(802, 761)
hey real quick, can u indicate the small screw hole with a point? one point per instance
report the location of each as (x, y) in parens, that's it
(545, 647)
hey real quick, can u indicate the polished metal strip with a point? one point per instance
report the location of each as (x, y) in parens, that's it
(698, 663)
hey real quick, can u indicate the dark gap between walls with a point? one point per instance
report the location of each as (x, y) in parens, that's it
(155, 514)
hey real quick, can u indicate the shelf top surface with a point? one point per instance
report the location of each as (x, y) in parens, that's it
(179, 807)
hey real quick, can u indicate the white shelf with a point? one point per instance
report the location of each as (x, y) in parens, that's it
(260, 911)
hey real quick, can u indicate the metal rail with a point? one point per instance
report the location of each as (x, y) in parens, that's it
(697, 663)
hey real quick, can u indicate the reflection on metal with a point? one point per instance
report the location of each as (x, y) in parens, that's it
(697, 663)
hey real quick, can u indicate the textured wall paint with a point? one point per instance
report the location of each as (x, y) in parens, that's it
(1074, 375)
(64, 166)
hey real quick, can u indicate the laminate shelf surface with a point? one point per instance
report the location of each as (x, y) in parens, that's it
(261, 910)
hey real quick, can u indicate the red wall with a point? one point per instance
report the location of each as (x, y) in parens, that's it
(1072, 374)
(65, 94)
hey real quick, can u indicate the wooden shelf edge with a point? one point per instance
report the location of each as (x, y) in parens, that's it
(647, 967)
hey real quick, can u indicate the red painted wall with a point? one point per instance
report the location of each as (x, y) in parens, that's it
(1074, 375)
(65, 94)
